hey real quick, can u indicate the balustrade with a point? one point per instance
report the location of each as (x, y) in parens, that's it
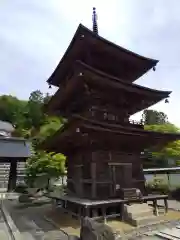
(105, 115)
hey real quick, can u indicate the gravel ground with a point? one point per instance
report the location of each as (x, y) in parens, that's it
(144, 232)
(30, 220)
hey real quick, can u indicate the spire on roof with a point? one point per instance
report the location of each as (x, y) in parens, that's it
(94, 18)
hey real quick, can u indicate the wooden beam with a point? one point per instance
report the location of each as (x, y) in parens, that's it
(12, 176)
(93, 176)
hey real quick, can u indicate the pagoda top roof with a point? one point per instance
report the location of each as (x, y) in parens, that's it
(102, 54)
(79, 129)
(139, 97)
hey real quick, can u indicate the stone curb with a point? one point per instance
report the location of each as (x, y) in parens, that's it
(14, 232)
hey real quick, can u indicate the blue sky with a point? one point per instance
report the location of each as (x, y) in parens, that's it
(35, 33)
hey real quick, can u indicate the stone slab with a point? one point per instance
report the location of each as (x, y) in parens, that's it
(174, 232)
(27, 236)
(165, 236)
(3, 235)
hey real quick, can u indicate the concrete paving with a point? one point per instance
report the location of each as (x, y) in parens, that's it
(31, 223)
(173, 204)
(4, 233)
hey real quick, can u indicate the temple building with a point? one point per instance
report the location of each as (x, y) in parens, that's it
(13, 150)
(97, 95)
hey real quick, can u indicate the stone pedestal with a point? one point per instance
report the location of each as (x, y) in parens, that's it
(139, 214)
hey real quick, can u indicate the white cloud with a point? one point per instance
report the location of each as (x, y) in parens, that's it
(34, 35)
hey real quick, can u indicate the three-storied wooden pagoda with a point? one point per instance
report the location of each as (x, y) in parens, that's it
(97, 95)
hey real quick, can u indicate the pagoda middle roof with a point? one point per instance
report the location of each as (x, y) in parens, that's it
(108, 84)
(101, 54)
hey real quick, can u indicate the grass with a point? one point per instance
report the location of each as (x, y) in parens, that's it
(64, 221)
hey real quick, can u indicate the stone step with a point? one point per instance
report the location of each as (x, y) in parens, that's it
(144, 213)
(137, 206)
(138, 210)
(143, 221)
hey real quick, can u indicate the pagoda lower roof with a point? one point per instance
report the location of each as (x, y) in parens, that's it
(78, 131)
(137, 97)
(101, 54)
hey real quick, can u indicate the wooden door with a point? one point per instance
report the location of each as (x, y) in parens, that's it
(121, 175)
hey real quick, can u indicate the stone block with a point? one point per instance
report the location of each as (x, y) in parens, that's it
(92, 230)
(25, 198)
(139, 214)
(143, 221)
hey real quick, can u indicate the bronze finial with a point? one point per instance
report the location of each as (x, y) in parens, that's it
(94, 18)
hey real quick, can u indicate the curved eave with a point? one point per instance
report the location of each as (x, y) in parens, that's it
(148, 138)
(128, 130)
(61, 70)
(106, 82)
(129, 86)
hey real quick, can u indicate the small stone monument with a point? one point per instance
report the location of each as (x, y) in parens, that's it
(92, 230)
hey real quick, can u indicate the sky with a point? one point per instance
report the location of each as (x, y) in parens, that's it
(34, 35)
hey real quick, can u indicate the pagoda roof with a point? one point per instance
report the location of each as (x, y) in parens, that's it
(79, 130)
(138, 97)
(101, 54)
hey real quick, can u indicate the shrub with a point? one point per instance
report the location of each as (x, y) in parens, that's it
(157, 187)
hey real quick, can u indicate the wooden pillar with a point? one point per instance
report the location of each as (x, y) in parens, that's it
(12, 175)
(166, 205)
(93, 176)
(122, 211)
(127, 172)
(86, 211)
(155, 206)
(114, 180)
(77, 177)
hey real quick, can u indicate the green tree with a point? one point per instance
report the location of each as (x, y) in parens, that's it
(51, 125)
(35, 115)
(46, 99)
(48, 163)
(165, 128)
(172, 150)
(12, 110)
(27, 116)
(153, 117)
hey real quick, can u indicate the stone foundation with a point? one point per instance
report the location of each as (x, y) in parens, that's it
(139, 214)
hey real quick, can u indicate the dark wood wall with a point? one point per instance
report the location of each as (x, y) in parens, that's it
(90, 174)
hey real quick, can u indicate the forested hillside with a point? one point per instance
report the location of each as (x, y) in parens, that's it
(28, 117)
(32, 123)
